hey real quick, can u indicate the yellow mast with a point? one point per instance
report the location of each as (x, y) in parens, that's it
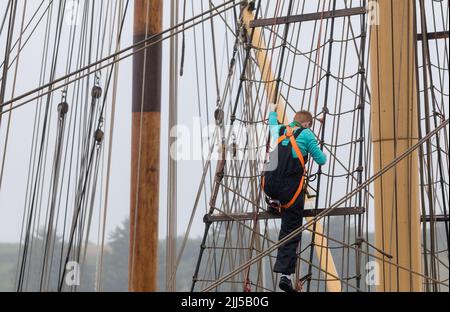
(394, 130)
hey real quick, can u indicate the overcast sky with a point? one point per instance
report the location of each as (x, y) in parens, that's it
(18, 153)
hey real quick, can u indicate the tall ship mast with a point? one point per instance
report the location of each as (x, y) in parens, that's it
(158, 111)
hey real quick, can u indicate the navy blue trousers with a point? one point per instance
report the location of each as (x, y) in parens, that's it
(291, 219)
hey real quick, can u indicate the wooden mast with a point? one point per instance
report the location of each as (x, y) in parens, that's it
(394, 129)
(145, 148)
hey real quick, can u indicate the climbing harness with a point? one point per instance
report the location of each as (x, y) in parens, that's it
(286, 170)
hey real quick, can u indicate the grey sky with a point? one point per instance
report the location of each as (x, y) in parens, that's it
(16, 168)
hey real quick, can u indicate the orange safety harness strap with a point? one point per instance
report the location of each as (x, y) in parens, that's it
(281, 138)
(302, 163)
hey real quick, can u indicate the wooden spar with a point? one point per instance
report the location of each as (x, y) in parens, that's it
(265, 67)
(394, 124)
(308, 17)
(308, 213)
(145, 148)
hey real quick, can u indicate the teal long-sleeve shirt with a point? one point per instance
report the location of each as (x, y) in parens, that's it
(306, 141)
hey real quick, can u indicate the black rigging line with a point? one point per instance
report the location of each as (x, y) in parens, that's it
(183, 41)
(32, 205)
(4, 17)
(32, 158)
(100, 123)
(75, 96)
(361, 107)
(63, 108)
(76, 216)
(12, 20)
(146, 43)
(322, 139)
(233, 118)
(24, 30)
(427, 61)
(71, 43)
(281, 62)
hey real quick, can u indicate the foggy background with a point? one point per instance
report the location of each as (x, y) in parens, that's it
(12, 193)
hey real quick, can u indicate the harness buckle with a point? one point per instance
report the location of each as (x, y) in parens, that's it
(289, 132)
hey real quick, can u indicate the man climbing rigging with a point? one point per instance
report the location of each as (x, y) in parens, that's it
(284, 183)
